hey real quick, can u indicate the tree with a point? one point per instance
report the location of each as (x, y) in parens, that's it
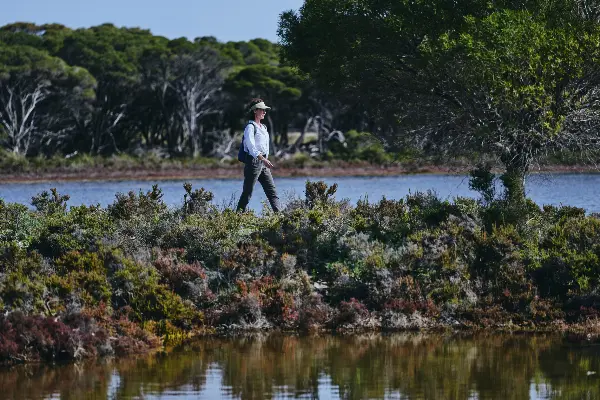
(281, 87)
(197, 81)
(512, 79)
(155, 104)
(35, 92)
(113, 56)
(19, 102)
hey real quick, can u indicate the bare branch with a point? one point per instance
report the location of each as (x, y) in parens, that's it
(18, 105)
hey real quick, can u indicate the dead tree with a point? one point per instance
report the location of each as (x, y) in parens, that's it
(198, 80)
(19, 103)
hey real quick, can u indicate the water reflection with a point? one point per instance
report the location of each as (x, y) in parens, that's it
(406, 366)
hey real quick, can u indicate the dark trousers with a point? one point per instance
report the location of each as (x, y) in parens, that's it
(255, 170)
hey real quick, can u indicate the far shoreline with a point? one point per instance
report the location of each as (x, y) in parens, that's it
(234, 172)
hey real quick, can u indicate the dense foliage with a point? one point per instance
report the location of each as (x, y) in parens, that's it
(87, 280)
(517, 80)
(105, 90)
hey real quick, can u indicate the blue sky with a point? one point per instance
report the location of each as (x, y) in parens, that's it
(225, 19)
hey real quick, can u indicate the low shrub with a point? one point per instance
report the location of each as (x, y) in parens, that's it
(360, 146)
(26, 338)
(139, 287)
(350, 312)
(140, 272)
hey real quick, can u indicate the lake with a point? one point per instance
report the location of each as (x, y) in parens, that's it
(373, 366)
(581, 190)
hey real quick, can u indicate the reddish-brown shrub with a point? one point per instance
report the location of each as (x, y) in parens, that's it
(313, 313)
(350, 312)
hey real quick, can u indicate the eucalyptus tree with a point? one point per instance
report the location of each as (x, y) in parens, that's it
(155, 104)
(197, 80)
(112, 55)
(38, 92)
(280, 86)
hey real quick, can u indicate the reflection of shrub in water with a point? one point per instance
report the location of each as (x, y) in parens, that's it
(414, 364)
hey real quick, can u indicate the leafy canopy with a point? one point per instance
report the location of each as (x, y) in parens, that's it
(512, 79)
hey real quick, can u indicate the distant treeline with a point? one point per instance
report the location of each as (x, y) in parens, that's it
(106, 90)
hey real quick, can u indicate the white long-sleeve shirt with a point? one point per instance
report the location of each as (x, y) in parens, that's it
(258, 143)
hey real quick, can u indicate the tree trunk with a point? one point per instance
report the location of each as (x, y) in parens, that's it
(272, 136)
(300, 139)
(514, 178)
(197, 141)
(283, 137)
(320, 135)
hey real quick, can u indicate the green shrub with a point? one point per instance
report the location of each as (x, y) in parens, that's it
(374, 153)
(50, 203)
(147, 204)
(141, 221)
(197, 201)
(84, 161)
(387, 221)
(207, 236)
(139, 287)
(360, 146)
(83, 275)
(18, 225)
(22, 280)
(319, 194)
(310, 230)
(301, 160)
(12, 162)
(80, 229)
(569, 262)
(499, 262)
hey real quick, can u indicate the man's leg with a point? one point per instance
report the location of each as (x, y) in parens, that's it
(266, 180)
(252, 170)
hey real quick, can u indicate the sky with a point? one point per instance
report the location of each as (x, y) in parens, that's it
(227, 20)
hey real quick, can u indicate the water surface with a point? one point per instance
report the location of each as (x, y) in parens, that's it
(581, 190)
(398, 366)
